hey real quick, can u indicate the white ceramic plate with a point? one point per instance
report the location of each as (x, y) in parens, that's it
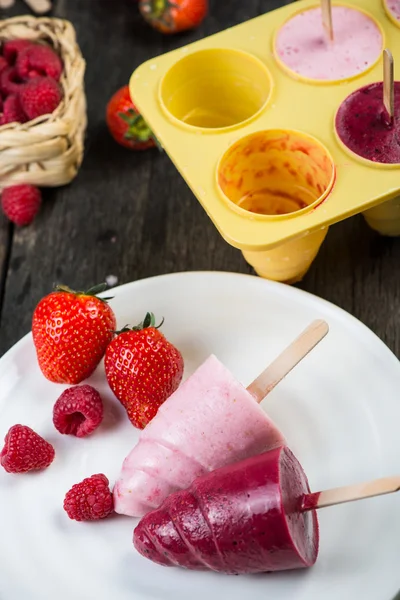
(340, 411)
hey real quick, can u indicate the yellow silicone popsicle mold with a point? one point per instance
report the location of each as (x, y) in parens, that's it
(254, 133)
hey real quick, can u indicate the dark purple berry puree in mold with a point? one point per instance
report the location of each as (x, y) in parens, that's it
(362, 124)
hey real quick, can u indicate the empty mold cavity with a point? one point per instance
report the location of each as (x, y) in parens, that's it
(215, 89)
(275, 173)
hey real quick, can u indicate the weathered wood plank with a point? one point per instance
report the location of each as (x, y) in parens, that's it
(5, 247)
(132, 215)
(358, 270)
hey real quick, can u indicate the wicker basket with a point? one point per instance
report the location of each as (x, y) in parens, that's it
(47, 151)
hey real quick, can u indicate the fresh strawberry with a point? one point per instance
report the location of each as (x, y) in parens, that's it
(24, 450)
(12, 48)
(21, 203)
(172, 16)
(40, 96)
(143, 369)
(71, 331)
(89, 500)
(38, 59)
(78, 411)
(10, 81)
(12, 111)
(126, 125)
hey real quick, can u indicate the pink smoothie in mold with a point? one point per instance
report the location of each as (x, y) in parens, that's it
(303, 46)
(210, 421)
(363, 126)
(393, 7)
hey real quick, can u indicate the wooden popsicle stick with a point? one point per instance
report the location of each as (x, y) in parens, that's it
(326, 8)
(288, 359)
(388, 84)
(351, 493)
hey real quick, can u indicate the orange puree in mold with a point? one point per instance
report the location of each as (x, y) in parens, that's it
(275, 173)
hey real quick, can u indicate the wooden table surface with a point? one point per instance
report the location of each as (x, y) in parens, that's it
(131, 215)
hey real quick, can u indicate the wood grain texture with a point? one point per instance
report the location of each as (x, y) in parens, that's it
(132, 215)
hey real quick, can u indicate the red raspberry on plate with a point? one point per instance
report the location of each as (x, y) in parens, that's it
(12, 111)
(21, 203)
(40, 96)
(24, 450)
(12, 48)
(89, 500)
(38, 59)
(10, 81)
(78, 411)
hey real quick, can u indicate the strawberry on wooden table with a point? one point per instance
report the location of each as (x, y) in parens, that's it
(126, 125)
(172, 16)
(71, 331)
(143, 369)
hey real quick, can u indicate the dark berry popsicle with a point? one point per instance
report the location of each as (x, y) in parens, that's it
(363, 127)
(243, 518)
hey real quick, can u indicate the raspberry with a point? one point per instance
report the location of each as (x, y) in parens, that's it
(10, 81)
(40, 96)
(12, 48)
(3, 63)
(40, 59)
(89, 500)
(24, 450)
(78, 411)
(12, 110)
(21, 203)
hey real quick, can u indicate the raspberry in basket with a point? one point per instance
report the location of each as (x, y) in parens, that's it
(11, 49)
(36, 60)
(40, 96)
(12, 111)
(10, 81)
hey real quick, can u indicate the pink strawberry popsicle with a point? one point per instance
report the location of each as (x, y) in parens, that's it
(209, 422)
(242, 518)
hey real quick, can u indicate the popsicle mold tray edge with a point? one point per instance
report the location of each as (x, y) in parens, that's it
(243, 131)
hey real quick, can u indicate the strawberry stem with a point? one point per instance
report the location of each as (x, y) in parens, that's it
(148, 321)
(160, 11)
(156, 9)
(93, 291)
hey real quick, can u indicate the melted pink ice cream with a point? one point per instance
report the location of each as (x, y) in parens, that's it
(209, 422)
(243, 518)
(394, 8)
(303, 46)
(362, 124)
